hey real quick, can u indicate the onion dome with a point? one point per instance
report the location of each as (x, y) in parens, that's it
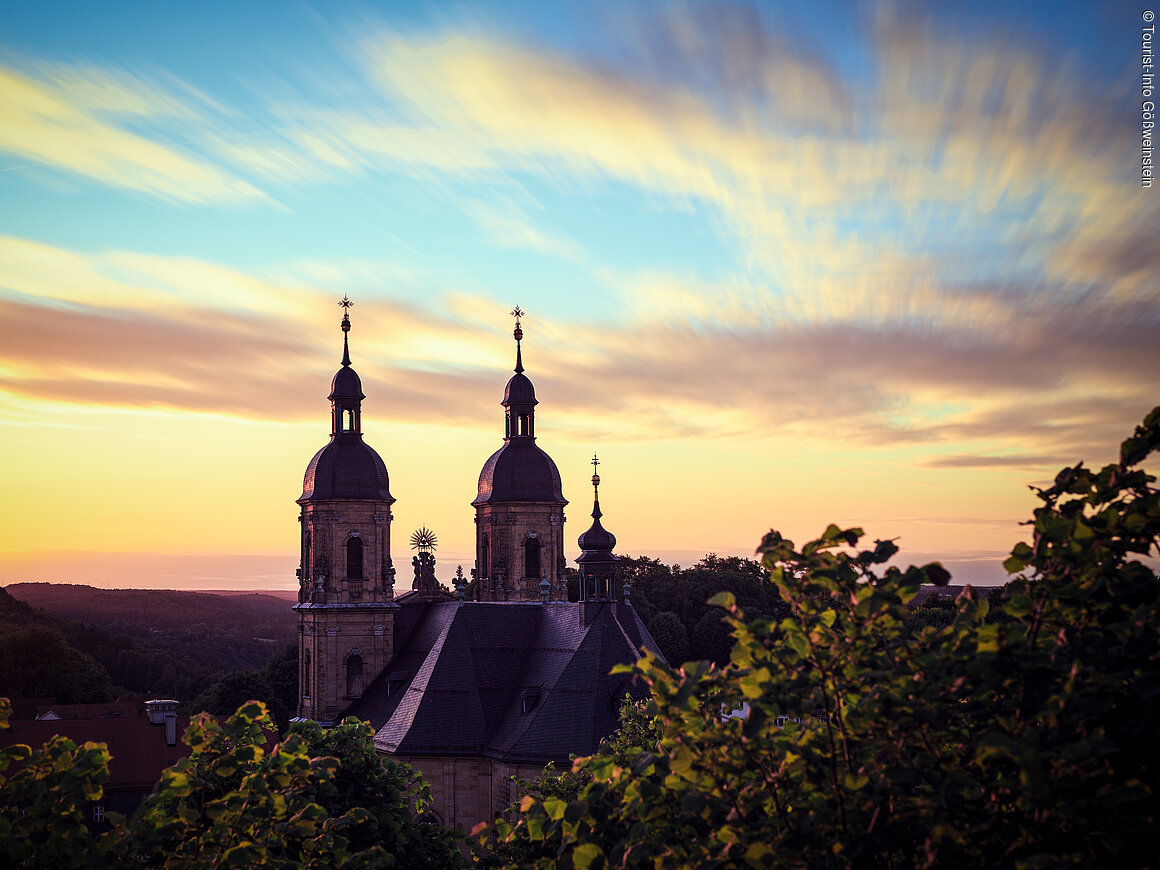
(519, 471)
(347, 467)
(519, 389)
(597, 543)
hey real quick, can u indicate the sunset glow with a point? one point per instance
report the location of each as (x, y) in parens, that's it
(879, 266)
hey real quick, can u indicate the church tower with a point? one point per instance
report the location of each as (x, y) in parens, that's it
(519, 508)
(345, 607)
(597, 564)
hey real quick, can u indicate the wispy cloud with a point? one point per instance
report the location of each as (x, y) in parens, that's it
(508, 226)
(981, 396)
(78, 119)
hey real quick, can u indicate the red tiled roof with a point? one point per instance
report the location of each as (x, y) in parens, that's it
(138, 749)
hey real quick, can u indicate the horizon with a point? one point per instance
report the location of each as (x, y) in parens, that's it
(880, 267)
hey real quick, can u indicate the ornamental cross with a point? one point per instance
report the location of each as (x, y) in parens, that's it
(595, 461)
(517, 313)
(345, 303)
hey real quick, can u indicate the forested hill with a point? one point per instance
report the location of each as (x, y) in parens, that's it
(159, 642)
(134, 611)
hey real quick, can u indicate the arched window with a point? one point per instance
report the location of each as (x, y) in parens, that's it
(532, 558)
(306, 673)
(354, 676)
(354, 558)
(485, 558)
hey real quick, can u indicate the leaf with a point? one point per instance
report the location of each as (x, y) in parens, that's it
(587, 855)
(723, 599)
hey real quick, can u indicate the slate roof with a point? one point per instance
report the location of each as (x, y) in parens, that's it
(519, 471)
(513, 681)
(346, 468)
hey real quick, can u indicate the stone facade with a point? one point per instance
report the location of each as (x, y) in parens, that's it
(345, 607)
(468, 790)
(517, 544)
(346, 578)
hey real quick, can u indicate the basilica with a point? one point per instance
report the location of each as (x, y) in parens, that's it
(470, 689)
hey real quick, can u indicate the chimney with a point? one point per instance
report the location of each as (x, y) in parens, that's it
(158, 711)
(164, 713)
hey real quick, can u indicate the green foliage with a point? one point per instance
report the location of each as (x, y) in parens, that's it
(1024, 741)
(318, 799)
(657, 588)
(238, 802)
(558, 790)
(43, 795)
(394, 796)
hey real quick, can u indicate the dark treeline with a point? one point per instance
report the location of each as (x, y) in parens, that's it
(90, 645)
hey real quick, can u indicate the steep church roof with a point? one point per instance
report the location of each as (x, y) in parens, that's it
(513, 681)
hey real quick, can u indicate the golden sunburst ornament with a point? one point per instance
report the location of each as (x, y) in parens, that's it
(424, 539)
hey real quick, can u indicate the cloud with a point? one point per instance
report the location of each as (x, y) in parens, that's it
(1016, 461)
(1022, 382)
(77, 119)
(506, 225)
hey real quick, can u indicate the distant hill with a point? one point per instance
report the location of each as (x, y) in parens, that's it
(210, 634)
(131, 610)
(281, 594)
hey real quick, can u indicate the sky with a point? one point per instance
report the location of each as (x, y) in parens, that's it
(882, 265)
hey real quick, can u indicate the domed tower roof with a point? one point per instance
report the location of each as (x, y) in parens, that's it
(347, 467)
(519, 389)
(597, 543)
(519, 471)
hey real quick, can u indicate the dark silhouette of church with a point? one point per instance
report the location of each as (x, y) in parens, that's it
(471, 692)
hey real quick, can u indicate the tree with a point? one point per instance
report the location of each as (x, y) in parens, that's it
(43, 796)
(1021, 741)
(37, 661)
(394, 795)
(669, 633)
(318, 799)
(275, 685)
(711, 637)
(237, 801)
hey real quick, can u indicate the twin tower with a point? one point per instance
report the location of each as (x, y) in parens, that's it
(346, 602)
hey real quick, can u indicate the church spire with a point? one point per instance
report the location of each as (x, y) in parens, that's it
(519, 397)
(346, 393)
(517, 313)
(596, 514)
(597, 562)
(345, 304)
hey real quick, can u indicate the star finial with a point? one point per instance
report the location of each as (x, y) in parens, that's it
(517, 313)
(345, 303)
